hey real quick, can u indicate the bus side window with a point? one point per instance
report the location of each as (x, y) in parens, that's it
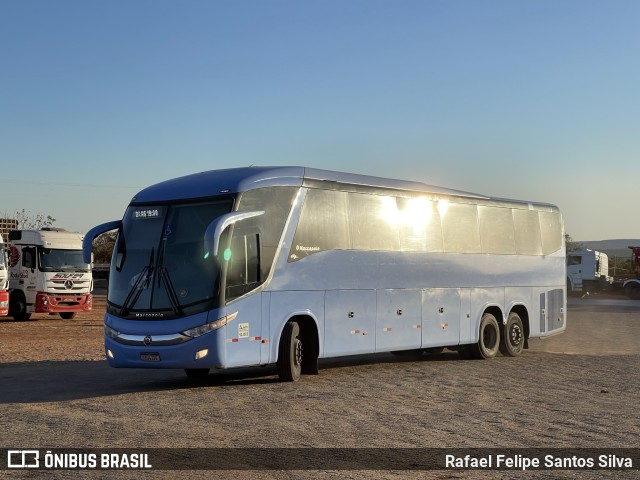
(243, 270)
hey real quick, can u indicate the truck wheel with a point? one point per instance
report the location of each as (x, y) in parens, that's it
(67, 315)
(489, 338)
(512, 338)
(290, 353)
(18, 307)
(633, 291)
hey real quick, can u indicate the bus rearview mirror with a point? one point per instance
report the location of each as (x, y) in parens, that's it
(216, 227)
(87, 241)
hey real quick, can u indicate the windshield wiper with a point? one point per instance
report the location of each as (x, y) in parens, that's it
(136, 289)
(171, 293)
(165, 278)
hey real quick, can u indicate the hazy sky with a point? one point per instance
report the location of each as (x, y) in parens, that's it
(535, 100)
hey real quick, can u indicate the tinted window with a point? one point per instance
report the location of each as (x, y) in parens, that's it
(322, 225)
(551, 228)
(420, 228)
(373, 222)
(340, 220)
(527, 232)
(276, 203)
(496, 230)
(460, 227)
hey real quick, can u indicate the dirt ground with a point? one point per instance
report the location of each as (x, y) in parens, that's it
(579, 389)
(49, 338)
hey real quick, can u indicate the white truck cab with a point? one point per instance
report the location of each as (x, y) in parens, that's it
(587, 270)
(4, 281)
(47, 274)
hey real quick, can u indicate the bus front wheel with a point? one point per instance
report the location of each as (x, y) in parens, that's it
(512, 339)
(489, 338)
(290, 353)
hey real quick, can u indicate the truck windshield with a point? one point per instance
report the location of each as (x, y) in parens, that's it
(158, 269)
(58, 260)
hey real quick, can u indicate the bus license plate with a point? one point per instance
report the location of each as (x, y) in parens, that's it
(150, 357)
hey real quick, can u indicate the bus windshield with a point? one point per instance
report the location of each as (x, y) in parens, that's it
(57, 260)
(158, 269)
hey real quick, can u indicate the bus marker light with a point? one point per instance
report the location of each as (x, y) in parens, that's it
(265, 340)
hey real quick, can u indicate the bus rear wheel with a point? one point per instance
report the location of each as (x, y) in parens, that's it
(290, 353)
(489, 338)
(512, 338)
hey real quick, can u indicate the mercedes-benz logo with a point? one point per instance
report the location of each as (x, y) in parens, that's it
(68, 284)
(148, 340)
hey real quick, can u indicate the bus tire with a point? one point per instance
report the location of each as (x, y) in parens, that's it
(197, 373)
(67, 315)
(488, 339)
(18, 307)
(512, 338)
(290, 353)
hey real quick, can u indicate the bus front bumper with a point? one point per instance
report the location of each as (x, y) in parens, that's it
(200, 352)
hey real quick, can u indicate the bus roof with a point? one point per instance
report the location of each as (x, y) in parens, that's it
(234, 180)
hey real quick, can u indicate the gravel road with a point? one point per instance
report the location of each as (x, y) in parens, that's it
(579, 389)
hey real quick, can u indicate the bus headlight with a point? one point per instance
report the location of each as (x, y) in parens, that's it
(209, 327)
(110, 332)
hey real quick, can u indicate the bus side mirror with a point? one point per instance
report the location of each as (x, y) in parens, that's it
(216, 227)
(87, 241)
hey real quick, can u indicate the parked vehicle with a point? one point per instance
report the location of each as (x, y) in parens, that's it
(4, 281)
(47, 274)
(286, 265)
(587, 271)
(632, 285)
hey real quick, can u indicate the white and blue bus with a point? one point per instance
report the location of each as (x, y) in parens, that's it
(286, 265)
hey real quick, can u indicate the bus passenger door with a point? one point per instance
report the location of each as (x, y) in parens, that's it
(399, 320)
(441, 317)
(244, 332)
(350, 317)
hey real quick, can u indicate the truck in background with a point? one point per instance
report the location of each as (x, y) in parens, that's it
(4, 281)
(587, 271)
(631, 286)
(47, 274)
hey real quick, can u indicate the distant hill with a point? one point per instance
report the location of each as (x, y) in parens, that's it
(613, 248)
